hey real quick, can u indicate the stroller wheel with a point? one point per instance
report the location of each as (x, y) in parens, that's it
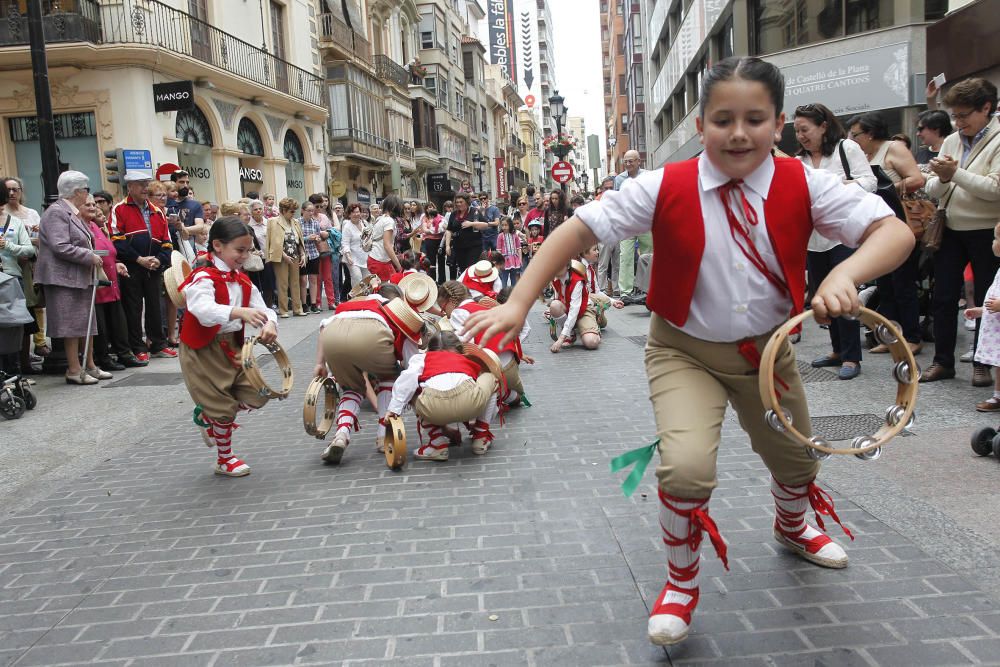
(11, 406)
(982, 441)
(30, 402)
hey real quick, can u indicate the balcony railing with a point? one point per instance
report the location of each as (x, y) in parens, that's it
(403, 149)
(390, 71)
(152, 23)
(351, 140)
(83, 25)
(333, 30)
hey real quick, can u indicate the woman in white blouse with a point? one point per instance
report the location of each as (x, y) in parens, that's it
(352, 253)
(824, 146)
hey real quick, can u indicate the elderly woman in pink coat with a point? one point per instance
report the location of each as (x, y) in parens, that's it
(65, 267)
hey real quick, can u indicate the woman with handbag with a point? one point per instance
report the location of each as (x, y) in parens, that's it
(329, 250)
(824, 146)
(897, 291)
(965, 181)
(287, 254)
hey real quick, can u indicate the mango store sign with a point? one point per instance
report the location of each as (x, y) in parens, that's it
(852, 83)
(252, 175)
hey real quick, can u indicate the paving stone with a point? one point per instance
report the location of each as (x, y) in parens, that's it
(931, 654)
(306, 564)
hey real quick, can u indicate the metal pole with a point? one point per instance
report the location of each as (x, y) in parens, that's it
(43, 103)
(563, 156)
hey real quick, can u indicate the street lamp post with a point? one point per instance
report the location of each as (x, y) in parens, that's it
(586, 180)
(478, 160)
(557, 108)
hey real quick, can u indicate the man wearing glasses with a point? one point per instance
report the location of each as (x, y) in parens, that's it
(626, 273)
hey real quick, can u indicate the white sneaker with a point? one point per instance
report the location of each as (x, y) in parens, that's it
(480, 446)
(231, 467)
(818, 548)
(967, 357)
(970, 325)
(335, 450)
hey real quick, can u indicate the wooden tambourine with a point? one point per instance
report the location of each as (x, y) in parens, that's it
(254, 376)
(395, 443)
(330, 398)
(365, 286)
(489, 362)
(898, 416)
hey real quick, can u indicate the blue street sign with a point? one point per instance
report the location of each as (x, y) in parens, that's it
(138, 161)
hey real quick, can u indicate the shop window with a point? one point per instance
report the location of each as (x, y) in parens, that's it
(192, 127)
(779, 26)
(248, 138)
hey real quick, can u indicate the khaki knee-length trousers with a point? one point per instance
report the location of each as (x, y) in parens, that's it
(690, 383)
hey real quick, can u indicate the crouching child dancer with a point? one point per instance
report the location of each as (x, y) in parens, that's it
(221, 300)
(730, 230)
(372, 336)
(452, 389)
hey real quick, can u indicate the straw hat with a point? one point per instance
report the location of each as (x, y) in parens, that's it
(577, 267)
(420, 290)
(174, 276)
(404, 317)
(488, 361)
(484, 271)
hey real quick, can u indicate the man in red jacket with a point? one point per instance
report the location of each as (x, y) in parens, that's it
(142, 240)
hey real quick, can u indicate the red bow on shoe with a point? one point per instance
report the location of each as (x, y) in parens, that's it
(822, 504)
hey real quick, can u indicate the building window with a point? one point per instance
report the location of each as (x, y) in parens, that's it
(636, 34)
(468, 64)
(278, 29)
(427, 29)
(783, 26)
(248, 138)
(624, 122)
(621, 84)
(430, 83)
(444, 93)
(66, 126)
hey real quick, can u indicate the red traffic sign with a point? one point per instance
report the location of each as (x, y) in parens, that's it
(562, 172)
(166, 169)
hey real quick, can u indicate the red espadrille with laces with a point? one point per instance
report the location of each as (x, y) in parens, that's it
(791, 529)
(436, 447)
(482, 437)
(683, 522)
(231, 467)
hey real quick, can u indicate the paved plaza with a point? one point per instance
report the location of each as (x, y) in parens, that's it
(119, 547)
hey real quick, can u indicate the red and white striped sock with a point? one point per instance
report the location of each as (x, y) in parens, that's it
(347, 412)
(222, 433)
(790, 505)
(683, 522)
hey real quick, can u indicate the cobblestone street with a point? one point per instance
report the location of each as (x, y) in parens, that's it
(527, 556)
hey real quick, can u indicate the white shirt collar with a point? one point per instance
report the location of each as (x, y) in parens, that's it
(759, 180)
(220, 265)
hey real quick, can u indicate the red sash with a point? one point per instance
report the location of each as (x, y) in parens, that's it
(574, 280)
(494, 344)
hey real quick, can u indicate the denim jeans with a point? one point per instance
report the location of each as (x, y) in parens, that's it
(845, 334)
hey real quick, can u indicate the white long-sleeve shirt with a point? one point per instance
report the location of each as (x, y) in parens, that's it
(861, 174)
(408, 382)
(733, 300)
(200, 297)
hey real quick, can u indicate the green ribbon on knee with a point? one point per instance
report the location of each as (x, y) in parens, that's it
(196, 417)
(641, 458)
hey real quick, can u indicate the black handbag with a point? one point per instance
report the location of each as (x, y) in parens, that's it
(884, 188)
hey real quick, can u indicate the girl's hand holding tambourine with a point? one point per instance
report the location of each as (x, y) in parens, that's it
(268, 334)
(837, 296)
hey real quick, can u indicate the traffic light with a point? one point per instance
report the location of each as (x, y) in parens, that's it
(114, 165)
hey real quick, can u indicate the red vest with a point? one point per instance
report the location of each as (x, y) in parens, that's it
(679, 234)
(484, 288)
(196, 335)
(444, 361)
(375, 306)
(591, 278)
(574, 280)
(513, 346)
